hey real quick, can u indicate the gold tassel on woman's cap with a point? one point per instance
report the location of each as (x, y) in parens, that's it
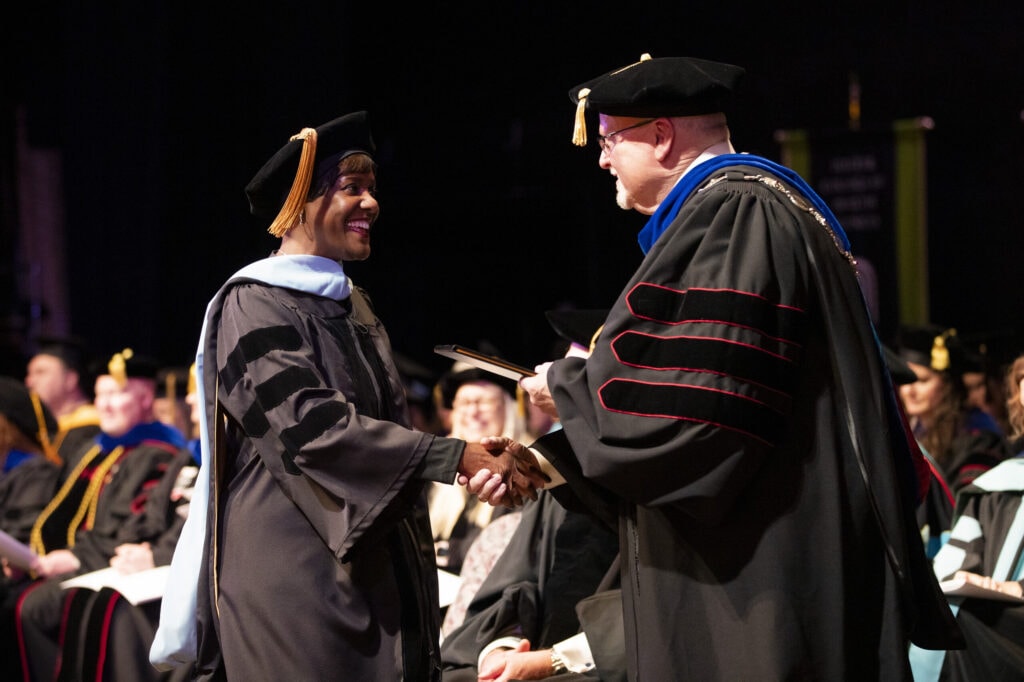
(296, 200)
(940, 353)
(171, 386)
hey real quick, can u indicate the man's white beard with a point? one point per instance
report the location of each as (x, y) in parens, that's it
(622, 197)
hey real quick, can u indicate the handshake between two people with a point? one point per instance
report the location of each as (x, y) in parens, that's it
(501, 471)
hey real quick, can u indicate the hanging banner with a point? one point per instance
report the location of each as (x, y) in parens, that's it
(875, 183)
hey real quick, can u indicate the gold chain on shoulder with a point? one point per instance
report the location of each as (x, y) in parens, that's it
(92, 495)
(795, 198)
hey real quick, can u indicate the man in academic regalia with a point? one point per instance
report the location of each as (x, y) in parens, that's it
(736, 415)
(59, 372)
(109, 499)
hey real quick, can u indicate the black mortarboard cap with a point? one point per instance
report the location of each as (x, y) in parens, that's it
(898, 368)
(285, 178)
(131, 365)
(462, 373)
(576, 325)
(932, 346)
(666, 86)
(173, 382)
(70, 350)
(29, 415)
(416, 378)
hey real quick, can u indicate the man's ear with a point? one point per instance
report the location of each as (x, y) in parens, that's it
(664, 136)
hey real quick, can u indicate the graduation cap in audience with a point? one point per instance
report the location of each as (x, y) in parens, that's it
(69, 349)
(994, 350)
(579, 327)
(280, 189)
(173, 382)
(27, 413)
(131, 365)
(665, 86)
(416, 378)
(899, 370)
(463, 373)
(932, 346)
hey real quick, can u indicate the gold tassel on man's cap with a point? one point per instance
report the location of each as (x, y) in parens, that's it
(118, 366)
(296, 200)
(579, 131)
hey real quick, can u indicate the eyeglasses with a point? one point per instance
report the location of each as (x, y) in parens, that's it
(604, 141)
(482, 402)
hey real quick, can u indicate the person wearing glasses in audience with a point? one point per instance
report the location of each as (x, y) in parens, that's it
(481, 405)
(735, 415)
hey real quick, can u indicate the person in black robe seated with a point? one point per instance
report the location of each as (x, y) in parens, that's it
(550, 605)
(110, 498)
(61, 371)
(963, 440)
(29, 460)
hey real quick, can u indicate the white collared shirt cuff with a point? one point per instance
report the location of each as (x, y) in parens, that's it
(575, 653)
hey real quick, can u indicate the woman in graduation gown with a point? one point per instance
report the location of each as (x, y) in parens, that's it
(318, 561)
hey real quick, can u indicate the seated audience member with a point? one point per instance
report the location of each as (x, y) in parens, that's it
(548, 606)
(480, 406)
(105, 637)
(964, 441)
(417, 381)
(575, 329)
(59, 372)
(984, 377)
(984, 549)
(1015, 405)
(108, 500)
(480, 557)
(30, 464)
(526, 608)
(170, 406)
(194, 406)
(935, 512)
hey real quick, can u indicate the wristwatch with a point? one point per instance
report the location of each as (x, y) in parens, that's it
(557, 664)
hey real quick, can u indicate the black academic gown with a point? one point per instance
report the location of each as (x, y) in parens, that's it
(994, 629)
(737, 413)
(124, 509)
(24, 492)
(324, 564)
(555, 559)
(105, 637)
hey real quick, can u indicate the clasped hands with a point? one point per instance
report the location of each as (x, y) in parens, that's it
(501, 471)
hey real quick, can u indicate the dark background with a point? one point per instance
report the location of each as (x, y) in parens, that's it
(162, 111)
